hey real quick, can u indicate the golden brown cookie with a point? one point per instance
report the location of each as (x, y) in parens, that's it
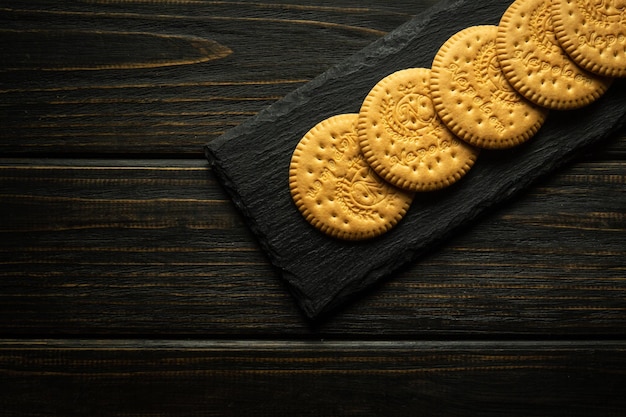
(535, 64)
(472, 96)
(593, 33)
(336, 190)
(403, 139)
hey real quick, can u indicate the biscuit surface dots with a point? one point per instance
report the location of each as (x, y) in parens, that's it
(536, 65)
(403, 139)
(593, 33)
(336, 190)
(472, 96)
(354, 176)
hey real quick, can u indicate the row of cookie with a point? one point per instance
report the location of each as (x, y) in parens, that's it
(494, 85)
(352, 176)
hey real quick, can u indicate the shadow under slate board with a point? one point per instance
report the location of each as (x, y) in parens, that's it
(252, 163)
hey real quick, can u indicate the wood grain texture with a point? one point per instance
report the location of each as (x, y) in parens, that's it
(108, 248)
(38, 50)
(130, 286)
(164, 77)
(152, 378)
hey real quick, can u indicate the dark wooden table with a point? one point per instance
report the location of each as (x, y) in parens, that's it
(130, 286)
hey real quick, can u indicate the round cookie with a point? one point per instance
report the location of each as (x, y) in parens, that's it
(593, 33)
(403, 139)
(472, 96)
(535, 64)
(336, 190)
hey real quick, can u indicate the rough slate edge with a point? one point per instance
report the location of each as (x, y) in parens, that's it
(252, 160)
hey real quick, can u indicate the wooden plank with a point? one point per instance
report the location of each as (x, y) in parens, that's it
(221, 378)
(154, 78)
(164, 77)
(156, 248)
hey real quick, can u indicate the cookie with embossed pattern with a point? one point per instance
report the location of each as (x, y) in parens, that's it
(535, 64)
(472, 96)
(336, 190)
(404, 140)
(593, 33)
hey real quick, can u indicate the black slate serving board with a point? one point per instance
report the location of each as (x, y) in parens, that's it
(252, 163)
